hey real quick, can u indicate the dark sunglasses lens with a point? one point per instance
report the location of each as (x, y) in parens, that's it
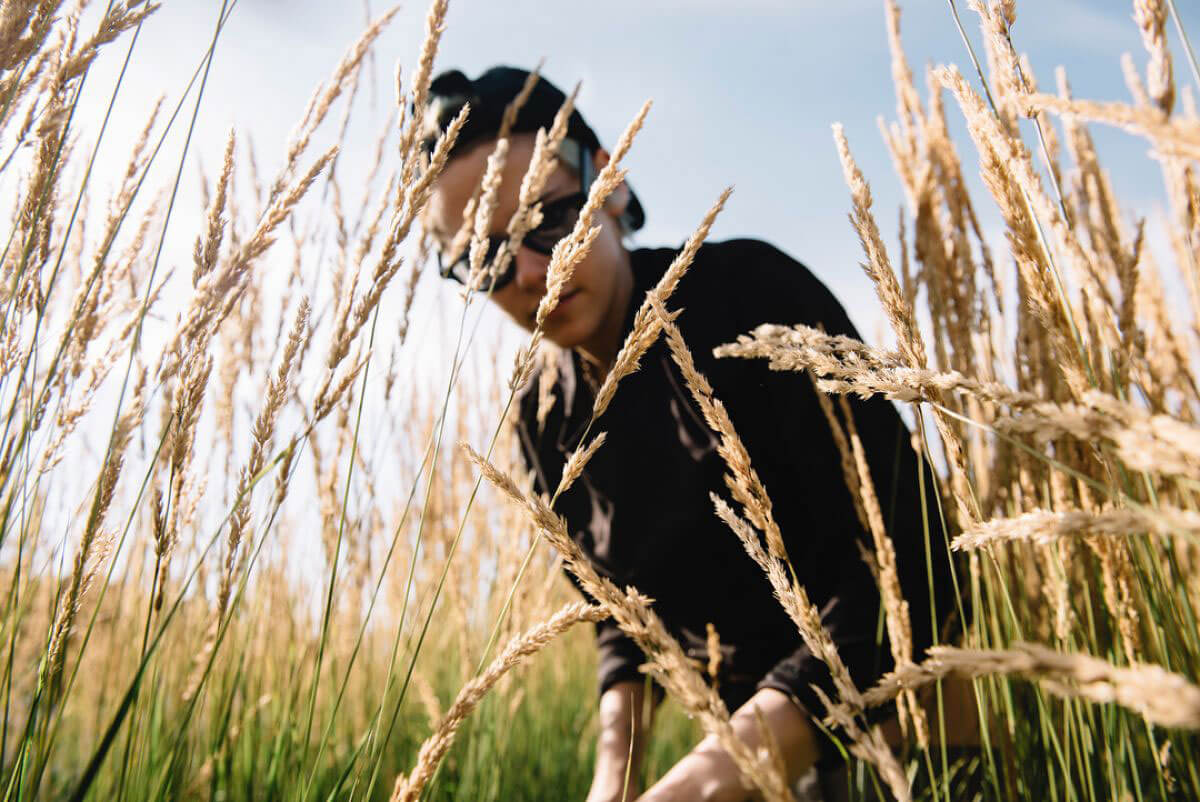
(562, 212)
(500, 280)
(460, 271)
(558, 220)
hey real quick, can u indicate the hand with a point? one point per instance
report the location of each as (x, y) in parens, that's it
(708, 774)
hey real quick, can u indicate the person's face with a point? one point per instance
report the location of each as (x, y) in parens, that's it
(591, 309)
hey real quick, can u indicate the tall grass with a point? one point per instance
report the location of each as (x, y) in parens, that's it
(236, 604)
(242, 557)
(1054, 382)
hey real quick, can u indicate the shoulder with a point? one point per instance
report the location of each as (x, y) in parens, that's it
(735, 285)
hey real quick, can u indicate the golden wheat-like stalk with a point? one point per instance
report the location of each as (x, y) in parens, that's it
(1046, 526)
(632, 612)
(570, 250)
(645, 323)
(1160, 696)
(520, 648)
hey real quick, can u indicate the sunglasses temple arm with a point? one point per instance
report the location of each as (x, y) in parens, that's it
(585, 168)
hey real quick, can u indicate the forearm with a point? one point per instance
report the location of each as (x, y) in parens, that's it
(707, 773)
(621, 743)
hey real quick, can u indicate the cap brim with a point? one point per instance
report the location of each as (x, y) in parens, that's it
(635, 215)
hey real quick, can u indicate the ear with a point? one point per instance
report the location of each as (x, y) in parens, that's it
(618, 201)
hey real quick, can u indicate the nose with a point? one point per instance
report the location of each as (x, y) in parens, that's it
(531, 270)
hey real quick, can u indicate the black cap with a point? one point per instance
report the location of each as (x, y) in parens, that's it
(489, 96)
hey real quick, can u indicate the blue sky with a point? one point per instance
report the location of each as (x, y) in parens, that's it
(744, 94)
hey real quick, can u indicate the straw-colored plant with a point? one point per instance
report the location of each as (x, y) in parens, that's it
(241, 560)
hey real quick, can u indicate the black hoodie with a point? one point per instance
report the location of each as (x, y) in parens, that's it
(642, 510)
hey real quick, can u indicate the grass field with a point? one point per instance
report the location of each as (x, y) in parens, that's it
(244, 556)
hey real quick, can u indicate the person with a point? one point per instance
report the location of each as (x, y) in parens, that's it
(642, 510)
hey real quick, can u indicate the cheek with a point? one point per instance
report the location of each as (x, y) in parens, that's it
(510, 303)
(598, 272)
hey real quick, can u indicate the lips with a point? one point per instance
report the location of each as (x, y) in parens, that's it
(563, 300)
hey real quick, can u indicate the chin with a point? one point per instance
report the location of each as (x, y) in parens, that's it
(563, 342)
(569, 334)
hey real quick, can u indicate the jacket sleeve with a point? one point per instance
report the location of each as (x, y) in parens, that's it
(619, 657)
(853, 625)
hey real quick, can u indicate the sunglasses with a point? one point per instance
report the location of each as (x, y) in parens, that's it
(558, 220)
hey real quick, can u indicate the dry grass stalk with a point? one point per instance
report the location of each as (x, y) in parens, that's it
(645, 322)
(209, 244)
(1174, 137)
(547, 378)
(428, 698)
(484, 211)
(1164, 360)
(899, 623)
(632, 612)
(576, 462)
(870, 746)
(406, 211)
(261, 435)
(1160, 696)
(1120, 588)
(712, 645)
(435, 25)
(527, 216)
(541, 165)
(408, 789)
(794, 600)
(1045, 527)
(849, 468)
(180, 444)
(513, 109)
(25, 256)
(570, 250)
(909, 112)
(119, 18)
(24, 26)
(1009, 172)
(346, 73)
(844, 365)
(220, 290)
(333, 388)
(1151, 17)
(742, 480)
(908, 334)
(878, 266)
(1159, 443)
(1133, 81)
(367, 241)
(94, 546)
(1110, 256)
(995, 19)
(867, 745)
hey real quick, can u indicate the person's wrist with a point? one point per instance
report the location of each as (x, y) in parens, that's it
(609, 785)
(695, 789)
(705, 774)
